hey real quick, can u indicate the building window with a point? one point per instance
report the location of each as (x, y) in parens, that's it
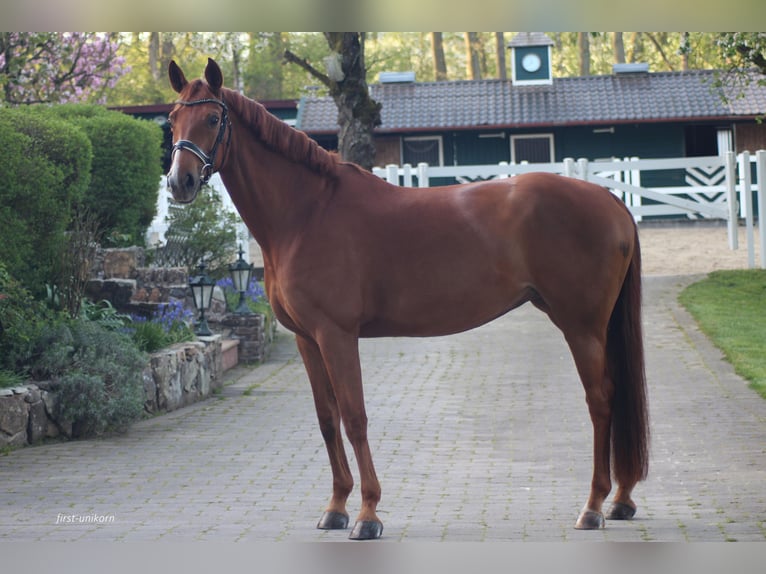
(425, 149)
(534, 148)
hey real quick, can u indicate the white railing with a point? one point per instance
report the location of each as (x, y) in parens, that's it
(715, 186)
(714, 189)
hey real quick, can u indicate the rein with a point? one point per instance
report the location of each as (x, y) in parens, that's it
(208, 161)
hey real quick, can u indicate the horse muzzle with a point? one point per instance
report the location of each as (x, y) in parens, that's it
(184, 184)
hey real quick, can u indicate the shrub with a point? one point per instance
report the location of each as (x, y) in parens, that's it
(10, 379)
(98, 375)
(104, 313)
(22, 319)
(169, 324)
(46, 164)
(126, 170)
(202, 230)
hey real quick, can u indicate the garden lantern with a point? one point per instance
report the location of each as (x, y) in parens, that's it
(202, 292)
(241, 271)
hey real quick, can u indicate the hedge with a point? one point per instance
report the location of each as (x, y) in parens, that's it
(47, 170)
(126, 169)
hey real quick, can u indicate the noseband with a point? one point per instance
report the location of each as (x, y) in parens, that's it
(208, 161)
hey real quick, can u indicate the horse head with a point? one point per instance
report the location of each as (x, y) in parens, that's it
(199, 122)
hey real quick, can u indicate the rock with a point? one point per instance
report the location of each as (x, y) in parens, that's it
(13, 418)
(37, 427)
(33, 394)
(150, 391)
(122, 263)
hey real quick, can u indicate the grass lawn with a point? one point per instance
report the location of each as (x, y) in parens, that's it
(730, 307)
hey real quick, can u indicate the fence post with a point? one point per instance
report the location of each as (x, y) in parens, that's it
(760, 173)
(569, 167)
(392, 173)
(746, 193)
(582, 164)
(407, 175)
(503, 175)
(423, 174)
(731, 192)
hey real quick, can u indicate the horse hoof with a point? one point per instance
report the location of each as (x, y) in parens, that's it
(590, 520)
(621, 511)
(332, 520)
(366, 530)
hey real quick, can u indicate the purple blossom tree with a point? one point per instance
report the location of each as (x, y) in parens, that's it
(58, 67)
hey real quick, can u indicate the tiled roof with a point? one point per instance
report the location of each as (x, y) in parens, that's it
(615, 98)
(530, 39)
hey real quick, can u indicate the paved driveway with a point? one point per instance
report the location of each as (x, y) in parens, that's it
(482, 436)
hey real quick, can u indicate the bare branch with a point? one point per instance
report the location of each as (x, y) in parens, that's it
(303, 63)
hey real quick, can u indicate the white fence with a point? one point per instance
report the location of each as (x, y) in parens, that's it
(715, 186)
(714, 189)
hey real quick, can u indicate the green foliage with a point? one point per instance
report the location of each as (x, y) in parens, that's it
(729, 307)
(98, 373)
(10, 379)
(47, 170)
(126, 170)
(22, 319)
(104, 314)
(169, 324)
(200, 230)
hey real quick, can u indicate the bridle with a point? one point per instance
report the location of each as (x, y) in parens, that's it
(208, 161)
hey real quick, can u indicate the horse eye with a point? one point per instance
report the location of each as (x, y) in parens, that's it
(213, 121)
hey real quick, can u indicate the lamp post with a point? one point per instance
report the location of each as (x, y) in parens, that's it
(241, 271)
(202, 292)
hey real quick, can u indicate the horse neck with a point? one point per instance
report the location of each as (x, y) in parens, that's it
(273, 194)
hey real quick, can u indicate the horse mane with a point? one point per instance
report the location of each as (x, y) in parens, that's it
(278, 136)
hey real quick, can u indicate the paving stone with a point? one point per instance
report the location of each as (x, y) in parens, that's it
(482, 436)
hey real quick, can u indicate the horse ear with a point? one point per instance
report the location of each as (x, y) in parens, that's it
(176, 75)
(213, 75)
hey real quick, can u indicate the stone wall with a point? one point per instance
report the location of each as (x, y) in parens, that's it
(255, 334)
(174, 377)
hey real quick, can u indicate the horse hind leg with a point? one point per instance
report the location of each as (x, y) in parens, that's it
(335, 516)
(589, 353)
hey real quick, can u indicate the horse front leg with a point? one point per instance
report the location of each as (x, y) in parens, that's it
(340, 352)
(335, 516)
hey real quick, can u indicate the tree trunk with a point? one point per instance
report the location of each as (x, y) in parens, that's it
(472, 44)
(154, 55)
(619, 48)
(583, 44)
(358, 113)
(440, 62)
(502, 71)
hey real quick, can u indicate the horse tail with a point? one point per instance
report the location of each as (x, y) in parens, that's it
(625, 364)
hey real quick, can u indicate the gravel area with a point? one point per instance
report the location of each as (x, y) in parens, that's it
(691, 249)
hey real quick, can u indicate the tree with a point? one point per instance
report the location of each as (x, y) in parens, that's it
(502, 71)
(58, 67)
(619, 48)
(583, 43)
(743, 50)
(358, 113)
(440, 63)
(473, 49)
(745, 57)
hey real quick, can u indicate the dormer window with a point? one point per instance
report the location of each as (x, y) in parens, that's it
(531, 59)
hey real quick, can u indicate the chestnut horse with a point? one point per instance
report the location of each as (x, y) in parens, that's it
(348, 255)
